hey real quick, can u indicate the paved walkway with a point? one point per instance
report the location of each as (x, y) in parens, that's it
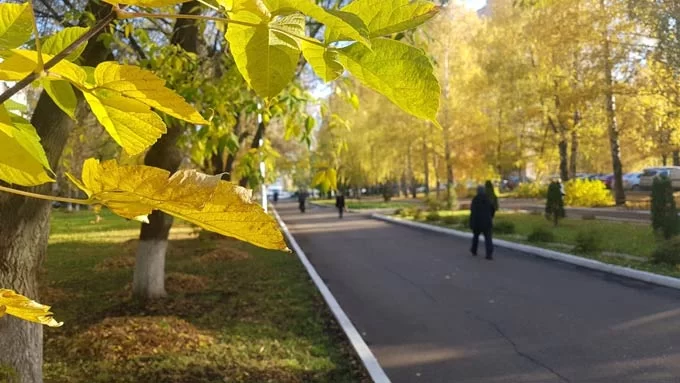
(433, 313)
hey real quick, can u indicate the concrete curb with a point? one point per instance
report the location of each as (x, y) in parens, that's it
(644, 276)
(365, 354)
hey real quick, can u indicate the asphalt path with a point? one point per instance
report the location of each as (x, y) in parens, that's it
(431, 312)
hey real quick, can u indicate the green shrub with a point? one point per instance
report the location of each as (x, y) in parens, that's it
(433, 204)
(451, 220)
(408, 212)
(464, 222)
(664, 212)
(504, 227)
(587, 193)
(530, 190)
(541, 234)
(588, 242)
(418, 214)
(433, 217)
(667, 252)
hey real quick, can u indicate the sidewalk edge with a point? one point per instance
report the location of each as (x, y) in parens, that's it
(639, 275)
(363, 351)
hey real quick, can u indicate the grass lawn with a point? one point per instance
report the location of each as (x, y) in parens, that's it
(235, 313)
(372, 203)
(615, 237)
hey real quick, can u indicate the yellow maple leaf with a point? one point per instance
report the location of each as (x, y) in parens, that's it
(207, 201)
(22, 158)
(132, 124)
(23, 62)
(142, 85)
(19, 306)
(122, 99)
(146, 3)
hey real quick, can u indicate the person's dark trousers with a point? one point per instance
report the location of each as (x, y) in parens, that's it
(340, 211)
(488, 242)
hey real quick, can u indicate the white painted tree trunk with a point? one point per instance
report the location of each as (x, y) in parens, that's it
(149, 274)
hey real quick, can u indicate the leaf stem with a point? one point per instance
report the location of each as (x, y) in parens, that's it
(132, 15)
(101, 24)
(45, 197)
(38, 46)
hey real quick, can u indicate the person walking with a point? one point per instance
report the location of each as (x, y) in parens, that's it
(302, 199)
(482, 212)
(276, 196)
(340, 203)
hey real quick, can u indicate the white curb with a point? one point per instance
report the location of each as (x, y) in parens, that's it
(644, 276)
(367, 358)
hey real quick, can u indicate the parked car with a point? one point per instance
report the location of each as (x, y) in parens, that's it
(608, 180)
(649, 174)
(631, 181)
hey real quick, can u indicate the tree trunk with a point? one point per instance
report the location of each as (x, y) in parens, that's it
(149, 273)
(231, 157)
(573, 160)
(676, 158)
(612, 126)
(664, 159)
(24, 228)
(564, 158)
(426, 168)
(259, 134)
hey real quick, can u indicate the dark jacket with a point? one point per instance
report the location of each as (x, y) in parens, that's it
(482, 212)
(340, 202)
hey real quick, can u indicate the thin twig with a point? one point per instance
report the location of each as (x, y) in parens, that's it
(103, 23)
(45, 197)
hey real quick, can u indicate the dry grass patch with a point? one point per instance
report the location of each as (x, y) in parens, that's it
(224, 254)
(185, 283)
(125, 338)
(117, 262)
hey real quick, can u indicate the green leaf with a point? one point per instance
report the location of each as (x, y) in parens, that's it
(324, 61)
(399, 71)
(62, 39)
(22, 158)
(16, 25)
(13, 105)
(384, 17)
(265, 55)
(341, 23)
(61, 92)
(216, 205)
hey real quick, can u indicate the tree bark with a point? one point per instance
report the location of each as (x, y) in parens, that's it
(426, 168)
(612, 126)
(564, 159)
(149, 273)
(573, 159)
(24, 228)
(259, 134)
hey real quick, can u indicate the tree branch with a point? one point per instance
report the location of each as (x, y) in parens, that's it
(60, 56)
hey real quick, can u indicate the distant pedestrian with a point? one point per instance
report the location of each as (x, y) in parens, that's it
(482, 212)
(340, 203)
(302, 199)
(276, 196)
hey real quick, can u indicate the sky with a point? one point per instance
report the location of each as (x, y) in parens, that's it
(475, 4)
